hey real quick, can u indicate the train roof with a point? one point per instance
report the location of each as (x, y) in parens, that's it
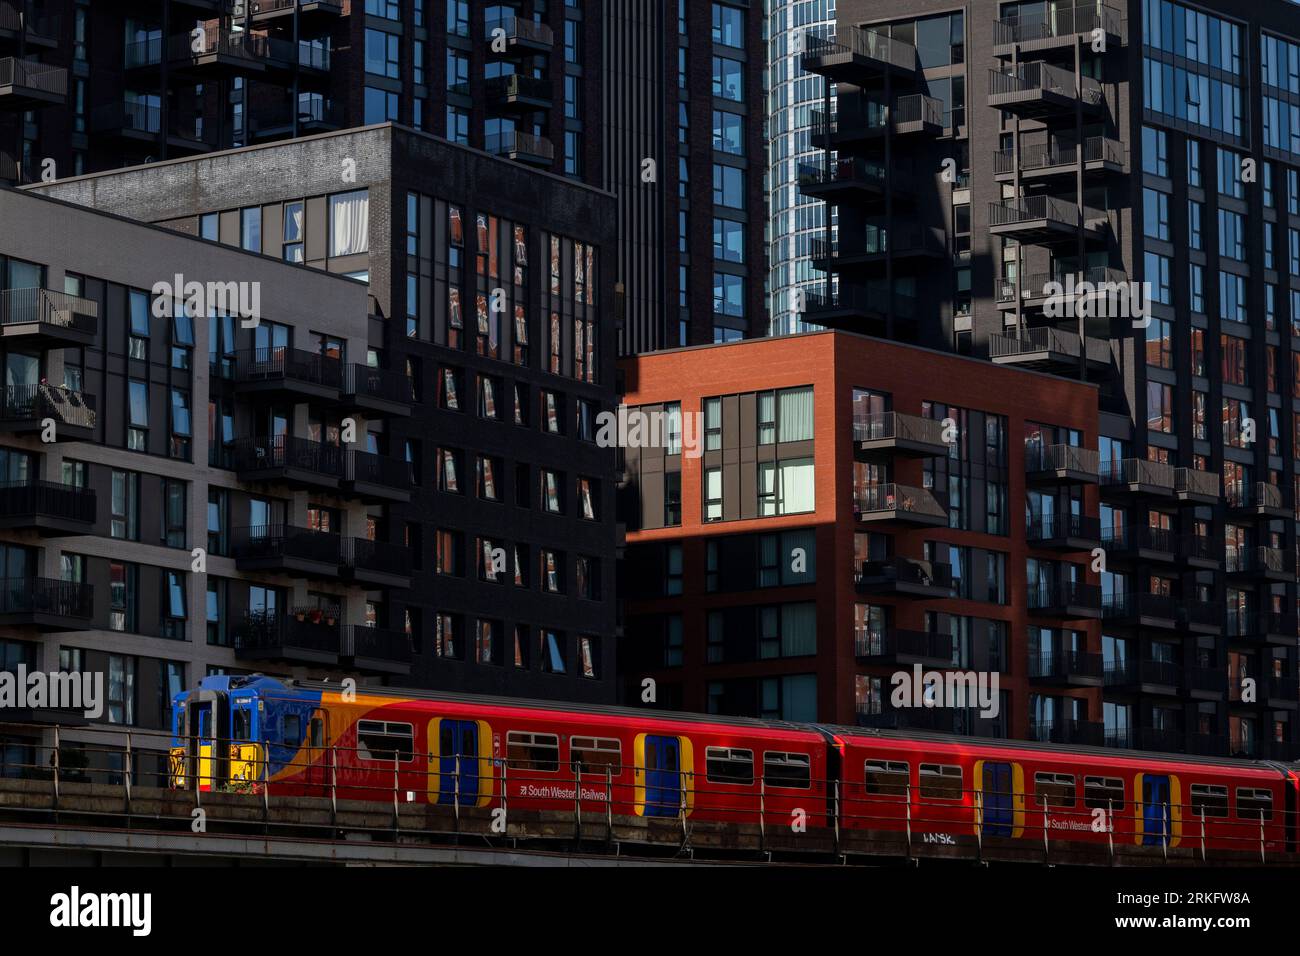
(1082, 750)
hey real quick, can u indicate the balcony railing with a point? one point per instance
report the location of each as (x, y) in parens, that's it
(1062, 526)
(1139, 471)
(1052, 209)
(31, 404)
(1257, 560)
(904, 643)
(302, 633)
(1037, 156)
(1142, 538)
(222, 41)
(280, 542)
(55, 310)
(902, 499)
(1037, 78)
(852, 172)
(502, 144)
(1061, 458)
(518, 86)
(900, 427)
(46, 596)
(518, 28)
(366, 468)
(859, 42)
(1064, 664)
(1201, 547)
(1101, 280)
(49, 499)
(288, 365)
(12, 19)
(377, 556)
(366, 382)
(39, 78)
(375, 644)
(873, 299)
(288, 451)
(1259, 494)
(1049, 341)
(1057, 23)
(1064, 595)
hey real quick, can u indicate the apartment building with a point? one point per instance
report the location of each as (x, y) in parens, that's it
(146, 542)
(491, 317)
(1001, 171)
(817, 513)
(661, 102)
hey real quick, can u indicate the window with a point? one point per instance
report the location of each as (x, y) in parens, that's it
(553, 656)
(121, 689)
(382, 54)
(728, 132)
(792, 771)
(173, 529)
(595, 755)
(180, 424)
(589, 655)
(350, 223)
(940, 781)
(1254, 804)
(728, 26)
(528, 751)
(1156, 214)
(728, 79)
(729, 765)
(137, 434)
(728, 186)
(250, 229)
(446, 630)
(385, 741)
(1155, 151)
(1054, 789)
(1209, 800)
(713, 494)
(551, 484)
(125, 521)
(173, 609)
(887, 777)
(1105, 793)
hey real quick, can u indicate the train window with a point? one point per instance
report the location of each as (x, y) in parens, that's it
(594, 754)
(1209, 800)
(728, 765)
(1054, 789)
(940, 781)
(242, 729)
(889, 777)
(1254, 804)
(1104, 793)
(290, 728)
(383, 740)
(317, 727)
(527, 751)
(787, 770)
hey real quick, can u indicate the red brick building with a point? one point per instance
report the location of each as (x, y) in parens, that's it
(824, 510)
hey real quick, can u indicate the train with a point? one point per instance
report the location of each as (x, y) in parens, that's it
(256, 734)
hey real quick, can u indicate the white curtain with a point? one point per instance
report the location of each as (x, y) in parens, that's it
(350, 223)
(796, 414)
(796, 487)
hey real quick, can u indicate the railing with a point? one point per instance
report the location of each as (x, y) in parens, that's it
(33, 403)
(47, 596)
(1285, 688)
(1201, 547)
(1039, 78)
(1035, 156)
(898, 240)
(1253, 624)
(366, 381)
(30, 75)
(280, 541)
(1049, 527)
(896, 642)
(308, 628)
(1061, 458)
(49, 498)
(141, 53)
(1052, 341)
(900, 427)
(859, 42)
(1127, 471)
(312, 56)
(380, 556)
(517, 28)
(43, 307)
(12, 19)
(1145, 538)
(221, 41)
(1064, 594)
(1010, 212)
(372, 469)
(1040, 285)
(517, 84)
(287, 364)
(852, 171)
(1140, 603)
(516, 142)
(288, 451)
(1061, 663)
(902, 499)
(1066, 732)
(1257, 559)
(1260, 494)
(917, 108)
(1057, 23)
(376, 643)
(909, 571)
(873, 298)
(1191, 481)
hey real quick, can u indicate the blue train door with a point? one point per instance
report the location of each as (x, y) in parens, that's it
(663, 778)
(996, 799)
(458, 738)
(1155, 810)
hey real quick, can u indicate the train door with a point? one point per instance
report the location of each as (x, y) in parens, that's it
(663, 776)
(317, 753)
(996, 800)
(458, 750)
(245, 753)
(1155, 810)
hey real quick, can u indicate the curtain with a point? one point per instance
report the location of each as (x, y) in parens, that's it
(798, 629)
(796, 486)
(796, 415)
(350, 223)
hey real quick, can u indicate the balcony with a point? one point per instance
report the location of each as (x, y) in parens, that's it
(1130, 477)
(277, 121)
(852, 306)
(284, 549)
(1201, 551)
(906, 578)
(1143, 677)
(27, 407)
(857, 56)
(1061, 464)
(899, 504)
(379, 391)
(1206, 683)
(1044, 219)
(895, 646)
(1066, 669)
(8, 169)
(1287, 751)
(1265, 564)
(376, 479)
(376, 563)
(1142, 610)
(1257, 500)
(221, 51)
(294, 461)
(912, 246)
(376, 651)
(865, 126)
(1141, 543)
(1057, 28)
(300, 636)
(1039, 161)
(522, 148)
(40, 31)
(263, 11)
(47, 507)
(890, 434)
(46, 604)
(41, 319)
(1101, 293)
(523, 36)
(292, 375)
(1050, 350)
(1267, 627)
(1280, 692)
(1041, 91)
(1067, 600)
(1196, 487)
(1196, 617)
(28, 85)
(1063, 532)
(862, 182)
(1083, 732)
(518, 93)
